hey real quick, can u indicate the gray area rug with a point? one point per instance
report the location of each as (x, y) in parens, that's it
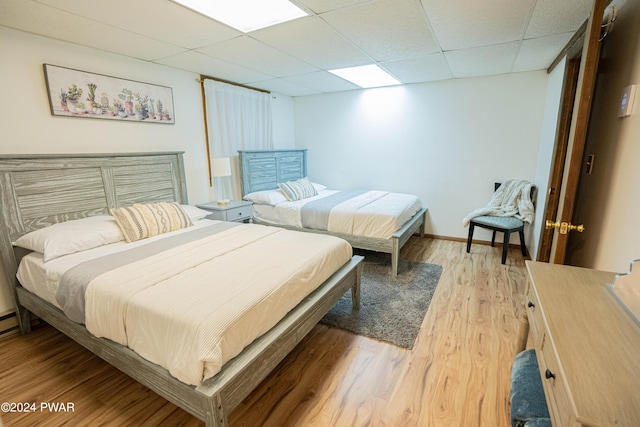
(391, 309)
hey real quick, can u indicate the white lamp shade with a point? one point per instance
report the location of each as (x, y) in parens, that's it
(221, 166)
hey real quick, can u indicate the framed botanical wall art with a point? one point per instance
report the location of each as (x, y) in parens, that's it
(75, 93)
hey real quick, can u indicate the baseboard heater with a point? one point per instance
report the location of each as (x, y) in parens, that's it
(8, 323)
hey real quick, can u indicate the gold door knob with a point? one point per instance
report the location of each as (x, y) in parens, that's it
(551, 224)
(578, 228)
(564, 227)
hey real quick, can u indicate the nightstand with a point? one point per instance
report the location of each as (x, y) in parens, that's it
(235, 211)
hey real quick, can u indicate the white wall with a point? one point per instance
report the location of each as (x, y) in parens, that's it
(283, 114)
(447, 142)
(27, 126)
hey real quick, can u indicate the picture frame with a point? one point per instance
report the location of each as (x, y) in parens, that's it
(83, 94)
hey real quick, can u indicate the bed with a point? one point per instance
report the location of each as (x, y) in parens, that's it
(37, 192)
(263, 170)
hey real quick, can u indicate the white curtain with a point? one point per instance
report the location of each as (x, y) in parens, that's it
(237, 119)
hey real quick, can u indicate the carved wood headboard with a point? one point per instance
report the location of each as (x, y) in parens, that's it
(264, 169)
(41, 190)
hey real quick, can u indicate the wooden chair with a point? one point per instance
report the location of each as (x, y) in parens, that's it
(504, 224)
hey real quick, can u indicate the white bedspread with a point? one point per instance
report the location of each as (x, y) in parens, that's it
(44, 279)
(376, 214)
(193, 308)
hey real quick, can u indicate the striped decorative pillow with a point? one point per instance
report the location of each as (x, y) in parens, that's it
(142, 221)
(297, 190)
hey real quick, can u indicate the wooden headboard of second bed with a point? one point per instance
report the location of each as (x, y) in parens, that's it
(264, 169)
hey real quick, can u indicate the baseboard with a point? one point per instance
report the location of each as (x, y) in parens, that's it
(464, 239)
(453, 239)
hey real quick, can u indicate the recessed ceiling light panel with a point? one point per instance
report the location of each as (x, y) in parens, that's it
(246, 15)
(366, 76)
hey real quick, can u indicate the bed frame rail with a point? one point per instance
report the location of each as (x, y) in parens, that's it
(264, 169)
(214, 400)
(36, 191)
(389, 246)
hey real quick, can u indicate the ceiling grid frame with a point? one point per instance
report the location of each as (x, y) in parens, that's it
(183, 39)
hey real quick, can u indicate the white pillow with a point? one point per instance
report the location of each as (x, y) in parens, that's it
(194, 212)
(298, 189)
(72, 236)
(319, 187)
(267, 197)
(144, 220)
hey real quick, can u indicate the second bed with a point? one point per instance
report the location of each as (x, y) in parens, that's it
(372, 220)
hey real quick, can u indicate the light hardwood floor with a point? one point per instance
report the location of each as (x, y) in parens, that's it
(457, 373)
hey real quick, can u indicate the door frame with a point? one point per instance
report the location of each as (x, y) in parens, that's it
(559, 158)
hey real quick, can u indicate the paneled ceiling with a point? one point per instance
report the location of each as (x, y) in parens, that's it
(414, 40)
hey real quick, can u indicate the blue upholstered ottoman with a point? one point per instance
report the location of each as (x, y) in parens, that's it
(528, 404)
(538, 422)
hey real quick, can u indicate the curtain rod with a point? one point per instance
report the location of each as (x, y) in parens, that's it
(206, 130)
(203, 78)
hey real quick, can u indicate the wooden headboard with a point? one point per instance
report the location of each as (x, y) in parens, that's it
(264, 169)
(41, 190)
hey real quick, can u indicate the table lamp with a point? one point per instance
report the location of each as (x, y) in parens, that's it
(221, 169)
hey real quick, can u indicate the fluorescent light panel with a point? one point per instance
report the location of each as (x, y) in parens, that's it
(366, 76)
(246, 15)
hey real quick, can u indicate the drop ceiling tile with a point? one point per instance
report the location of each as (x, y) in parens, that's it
(312, 40)
(202, 64)
(554, 17)
(158, 19)
(539, 53)
(322, 81)
(57, 24)
(321, 6)
(251, 53)
(482, 61)
(420, 69)
(283, 87)
(386, 29)
(164, 32)
(460, 25)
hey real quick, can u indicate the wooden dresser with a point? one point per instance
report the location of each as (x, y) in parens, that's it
(588, 347)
